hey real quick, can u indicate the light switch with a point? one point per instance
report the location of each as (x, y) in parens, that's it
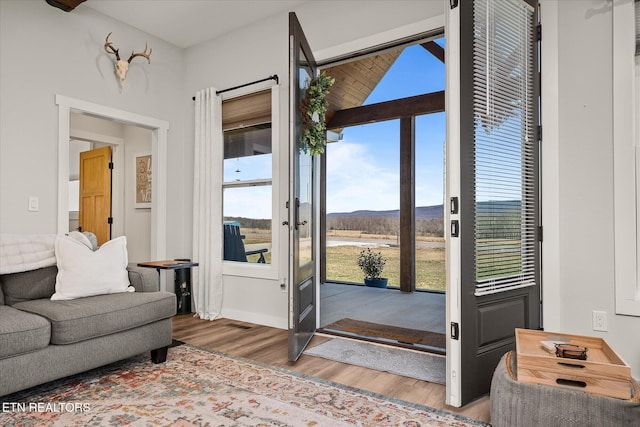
(34, 203)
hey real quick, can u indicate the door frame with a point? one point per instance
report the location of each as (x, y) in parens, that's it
(159, 130)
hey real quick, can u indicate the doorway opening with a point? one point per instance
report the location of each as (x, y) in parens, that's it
(119, 204)
(158, 130)
(383, 189)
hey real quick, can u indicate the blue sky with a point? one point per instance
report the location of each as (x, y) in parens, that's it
(363, 168)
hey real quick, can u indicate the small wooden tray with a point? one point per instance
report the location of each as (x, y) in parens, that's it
(604, 373)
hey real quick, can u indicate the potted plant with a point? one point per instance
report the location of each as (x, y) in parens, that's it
(372, 264)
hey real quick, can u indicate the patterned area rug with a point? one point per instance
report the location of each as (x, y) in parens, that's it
(198, 387)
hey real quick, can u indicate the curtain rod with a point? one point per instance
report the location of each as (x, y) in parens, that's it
(274, 77)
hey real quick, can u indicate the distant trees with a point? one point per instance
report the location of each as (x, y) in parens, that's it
(260, 224)
(368, 224)
(384, 225)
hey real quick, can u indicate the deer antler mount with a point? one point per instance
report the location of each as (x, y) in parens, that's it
(122, 66)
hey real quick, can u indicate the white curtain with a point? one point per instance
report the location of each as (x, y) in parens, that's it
(207, 205)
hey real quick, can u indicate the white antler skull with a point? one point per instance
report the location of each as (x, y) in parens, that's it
(122, 66)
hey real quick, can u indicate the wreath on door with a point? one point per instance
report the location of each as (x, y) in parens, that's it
(313, 108)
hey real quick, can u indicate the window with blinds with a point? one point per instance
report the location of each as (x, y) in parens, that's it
(505, 146)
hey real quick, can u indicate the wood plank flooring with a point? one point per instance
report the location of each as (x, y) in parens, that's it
(269, 346)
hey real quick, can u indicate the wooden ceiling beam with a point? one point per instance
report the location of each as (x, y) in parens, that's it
(389, 110)
(66, 5)
(435, 49)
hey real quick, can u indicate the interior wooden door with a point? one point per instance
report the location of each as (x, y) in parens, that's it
(302, 217)
(95, 193)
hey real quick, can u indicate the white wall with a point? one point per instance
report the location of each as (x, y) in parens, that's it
(577, 170)
(45, 51)
(332, 28)
(137, 222)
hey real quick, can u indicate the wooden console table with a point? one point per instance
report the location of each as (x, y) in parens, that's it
(182, 281)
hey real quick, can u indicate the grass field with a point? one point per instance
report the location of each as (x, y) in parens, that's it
(341, 260)
(430, 266)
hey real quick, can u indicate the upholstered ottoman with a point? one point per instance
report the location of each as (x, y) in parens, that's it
(520, 404)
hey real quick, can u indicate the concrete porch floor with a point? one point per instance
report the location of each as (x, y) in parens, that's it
(424, 311)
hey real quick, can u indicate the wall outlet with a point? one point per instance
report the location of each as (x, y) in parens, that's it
(600, 321)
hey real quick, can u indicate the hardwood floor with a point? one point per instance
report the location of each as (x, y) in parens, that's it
(269, 346)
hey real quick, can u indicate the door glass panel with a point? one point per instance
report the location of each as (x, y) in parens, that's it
(505, 148)
(305, 209)
(304, 180)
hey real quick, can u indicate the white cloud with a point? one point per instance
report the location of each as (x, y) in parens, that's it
(356, 181)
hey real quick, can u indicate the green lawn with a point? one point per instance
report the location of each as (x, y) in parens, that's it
(341, 261)
(430, 266)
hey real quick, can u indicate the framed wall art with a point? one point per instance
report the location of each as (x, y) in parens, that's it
(143, 181)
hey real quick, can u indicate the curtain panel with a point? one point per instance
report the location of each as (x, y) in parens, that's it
(207, 204)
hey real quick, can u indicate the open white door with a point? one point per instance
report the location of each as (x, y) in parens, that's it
(302, 218)
(493, 252)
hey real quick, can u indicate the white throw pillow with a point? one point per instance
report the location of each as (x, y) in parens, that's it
(80, 237)
(83, 272)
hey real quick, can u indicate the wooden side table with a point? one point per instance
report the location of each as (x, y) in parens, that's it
(182, 281)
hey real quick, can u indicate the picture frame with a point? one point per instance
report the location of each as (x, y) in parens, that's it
(143, 173)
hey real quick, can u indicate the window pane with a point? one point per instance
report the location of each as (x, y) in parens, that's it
(247, 153)
(247, 219)
(429, 187)
(363, 200)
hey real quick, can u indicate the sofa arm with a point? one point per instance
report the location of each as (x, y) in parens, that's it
(144, 279)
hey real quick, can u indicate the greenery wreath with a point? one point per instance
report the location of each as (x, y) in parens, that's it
(313, 108)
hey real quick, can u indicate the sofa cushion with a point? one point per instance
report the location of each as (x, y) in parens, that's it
(84, 318)
(22, 332)
(28, 285)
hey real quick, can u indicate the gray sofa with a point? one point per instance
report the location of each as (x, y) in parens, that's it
(43, 340)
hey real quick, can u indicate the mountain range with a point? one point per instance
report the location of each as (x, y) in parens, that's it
(422, 212)
(504, 207)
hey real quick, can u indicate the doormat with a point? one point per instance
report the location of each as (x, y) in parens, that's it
(394, 333)
(408, 363)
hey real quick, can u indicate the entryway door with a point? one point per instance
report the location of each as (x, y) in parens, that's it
(95, 193)
(302, 197)
(493, 254)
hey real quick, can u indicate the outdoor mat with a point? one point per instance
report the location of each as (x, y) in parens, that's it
(198, 387)
(402, 335)
(408, 363)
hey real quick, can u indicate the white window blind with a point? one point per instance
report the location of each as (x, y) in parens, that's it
(505, 141)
